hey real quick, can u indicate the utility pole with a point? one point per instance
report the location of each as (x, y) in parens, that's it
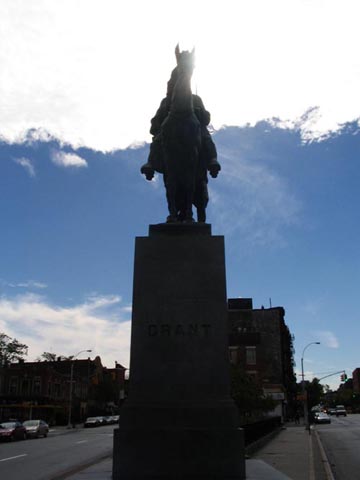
(306, 413)
(69, 425)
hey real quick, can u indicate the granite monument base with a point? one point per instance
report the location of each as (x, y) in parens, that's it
(179, 421)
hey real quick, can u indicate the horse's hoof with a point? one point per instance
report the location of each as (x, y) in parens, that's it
(189, 220)
(171, 219)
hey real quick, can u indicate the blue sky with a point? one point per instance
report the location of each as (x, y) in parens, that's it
(287, 208)
(75, 111)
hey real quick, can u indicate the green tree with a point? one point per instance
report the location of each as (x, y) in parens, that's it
(52, 357)
(315, 392)
(11, 350)
(248, 394)
(47, 356)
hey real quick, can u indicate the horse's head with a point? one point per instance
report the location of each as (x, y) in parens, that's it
(185, 60)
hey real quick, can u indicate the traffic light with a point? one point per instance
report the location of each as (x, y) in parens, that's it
(343, 377)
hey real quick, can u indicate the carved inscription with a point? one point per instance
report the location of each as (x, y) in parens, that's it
(179, 330)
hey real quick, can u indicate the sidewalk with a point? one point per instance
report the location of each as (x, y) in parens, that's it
(292, 455)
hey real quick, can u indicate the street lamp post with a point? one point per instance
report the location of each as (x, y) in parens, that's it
(71, 385)
(306, 416)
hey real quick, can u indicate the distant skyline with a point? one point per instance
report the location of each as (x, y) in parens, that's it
(80, 82)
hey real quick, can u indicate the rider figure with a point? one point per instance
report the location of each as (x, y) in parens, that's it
(207, 155)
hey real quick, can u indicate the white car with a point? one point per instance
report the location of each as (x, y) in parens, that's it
(36, 428)
(340, 410)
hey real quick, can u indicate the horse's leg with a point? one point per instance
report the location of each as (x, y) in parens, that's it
(189, 191)
(201, 199)
(201, 215)
(170, 184)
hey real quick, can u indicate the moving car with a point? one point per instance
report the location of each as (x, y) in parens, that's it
(92, 422)
(12, 431)
(321, 417)
(35, 428)
(340, 410)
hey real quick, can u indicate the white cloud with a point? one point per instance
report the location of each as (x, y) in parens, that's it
(26, 163)
(63, 159)
(101, 90)
(98, 324)
(127, 308)
(327, 338)
(27, 284)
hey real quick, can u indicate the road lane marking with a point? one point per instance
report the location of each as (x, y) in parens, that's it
(82, 441)
(12, 458)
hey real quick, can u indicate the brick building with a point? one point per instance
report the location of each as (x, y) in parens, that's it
(260, 341)
(42, 389)
(356, 380)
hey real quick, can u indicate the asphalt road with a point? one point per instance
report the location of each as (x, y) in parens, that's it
(50, 458)
(341, 441)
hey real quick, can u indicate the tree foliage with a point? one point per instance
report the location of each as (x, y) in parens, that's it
(248, 393)
(315, 392)
(11, 350)
(48, 357)
(52, 357)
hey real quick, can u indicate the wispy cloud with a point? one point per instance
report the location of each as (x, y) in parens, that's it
(63, 159)
(93, 324)
(328, 339)
(27, 284)
(261, 205)
(26, 163)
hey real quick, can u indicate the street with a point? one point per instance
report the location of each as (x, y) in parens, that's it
(341, 441)
(49, 458)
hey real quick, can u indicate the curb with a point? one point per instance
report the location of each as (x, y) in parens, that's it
(324, 458)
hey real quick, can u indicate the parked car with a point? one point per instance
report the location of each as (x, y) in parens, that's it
(92, 422)
(12, 431)
(101, 420)
(36, 428)
(332, 411)
(321, 417)
(340, 410)
(109, 420)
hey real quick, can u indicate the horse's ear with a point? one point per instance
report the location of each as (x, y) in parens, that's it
(177, 53)
(193, 52)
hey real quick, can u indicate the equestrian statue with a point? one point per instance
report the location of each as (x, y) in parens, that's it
(182, 148)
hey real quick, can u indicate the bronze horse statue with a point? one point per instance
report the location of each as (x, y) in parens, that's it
(181, 143)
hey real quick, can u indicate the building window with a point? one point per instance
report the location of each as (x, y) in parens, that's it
(233, 355)
(250, 355)
(25, 387)
(13, 385)
(37, 386)
(57, 390)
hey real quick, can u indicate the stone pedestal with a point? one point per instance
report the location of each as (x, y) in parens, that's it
(179, 421)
